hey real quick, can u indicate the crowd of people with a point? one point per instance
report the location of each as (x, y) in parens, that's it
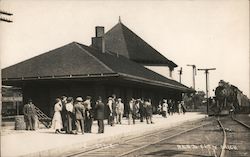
(168, 107)
(76, 116)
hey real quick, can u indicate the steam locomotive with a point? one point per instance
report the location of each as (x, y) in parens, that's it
(228, 98)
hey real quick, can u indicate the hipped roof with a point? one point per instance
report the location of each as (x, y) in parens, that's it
(78, 60)
(122, 40)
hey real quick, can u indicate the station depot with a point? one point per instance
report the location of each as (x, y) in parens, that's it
(117, 62)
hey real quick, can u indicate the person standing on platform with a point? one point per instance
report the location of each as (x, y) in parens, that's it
(120, 110)
(57, 118)
(114, 105)
(100, 115)
(159, 109)
(111, 111)
(179, 107)
(69, 115)
(164, 108)
(88, 115)
(171, 107)
(132, 111)
(79, 115)
(149, 111)
(29, 112)
(141, 110)
(64, 113)
(184, 110)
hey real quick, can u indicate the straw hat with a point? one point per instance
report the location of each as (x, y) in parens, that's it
(79, 99)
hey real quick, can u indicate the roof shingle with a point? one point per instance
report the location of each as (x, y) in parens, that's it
(79, 59)
(122, 40)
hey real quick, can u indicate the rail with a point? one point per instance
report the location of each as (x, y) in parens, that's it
(222, 154)
(160, 131)
(177, 134)
(240, 122)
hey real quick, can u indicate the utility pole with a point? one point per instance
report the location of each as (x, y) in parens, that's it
(5, 14)
(207, 85)
(180, 73)
(194, 73)
(2, 19)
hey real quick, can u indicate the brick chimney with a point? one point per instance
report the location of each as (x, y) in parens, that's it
(98, 41)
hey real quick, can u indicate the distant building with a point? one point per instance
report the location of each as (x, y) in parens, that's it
(113, 64)
(11, 101)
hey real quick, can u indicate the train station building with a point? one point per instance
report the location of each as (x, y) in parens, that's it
(117, 62)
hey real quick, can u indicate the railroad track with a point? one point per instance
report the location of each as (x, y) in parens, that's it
(242, 123)
(236, 138)
(213, 132)
(129, 145)
(222, 154)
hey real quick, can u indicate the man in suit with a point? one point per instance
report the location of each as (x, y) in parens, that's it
(120, 110)
(29, 112)
(100, 115)
(149, 111)
(80, 114)
(141, 109)
(88, 115)
(70, 114)
(164, 108)
(64, 113)
(114, 106)
(111, 111)
(132, 111)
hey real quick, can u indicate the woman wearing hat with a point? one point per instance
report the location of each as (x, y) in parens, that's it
(57, 118)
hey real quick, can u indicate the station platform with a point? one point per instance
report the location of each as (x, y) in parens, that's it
(44, 142)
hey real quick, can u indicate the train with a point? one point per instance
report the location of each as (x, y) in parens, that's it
(229, 98)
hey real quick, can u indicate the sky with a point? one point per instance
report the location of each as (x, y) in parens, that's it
(209, 34)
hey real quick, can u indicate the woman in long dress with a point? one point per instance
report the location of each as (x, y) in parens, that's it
(57, 118)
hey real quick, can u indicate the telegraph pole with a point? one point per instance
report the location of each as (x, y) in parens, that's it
(3, 19)
(5, 14)
(194, 73)
(207, 85)
(180, 73)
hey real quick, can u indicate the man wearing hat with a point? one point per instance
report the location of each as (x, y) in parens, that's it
(69, 116)
(100, 114)
(88, 115)
(164, 108)
(111, 111)
(79, 114)
(29, 112)
(114, 105)
(141, 109)
(64, 113)
(132, 111)
(149, 111)
(119, 110)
